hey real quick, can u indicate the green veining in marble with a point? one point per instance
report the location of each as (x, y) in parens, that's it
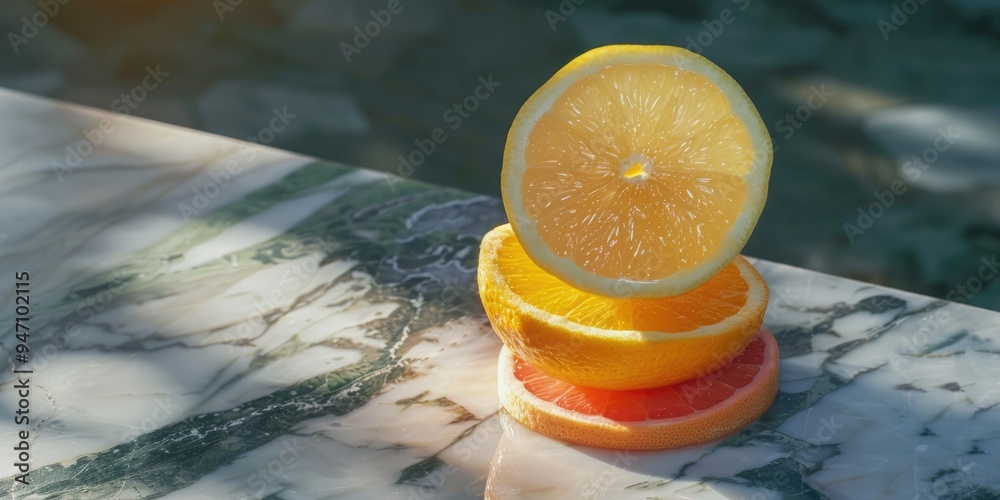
(364, 225)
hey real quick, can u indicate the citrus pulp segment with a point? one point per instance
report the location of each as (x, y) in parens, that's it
(636, 171)
(613, 343)
(692, 412)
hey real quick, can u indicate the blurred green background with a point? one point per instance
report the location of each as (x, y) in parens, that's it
(858, 95)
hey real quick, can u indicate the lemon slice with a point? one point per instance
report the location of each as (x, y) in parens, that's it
(636, 171)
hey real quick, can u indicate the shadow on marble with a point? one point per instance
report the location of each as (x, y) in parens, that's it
(229, 70)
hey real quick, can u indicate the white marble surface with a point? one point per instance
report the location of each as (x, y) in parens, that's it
(314, 333)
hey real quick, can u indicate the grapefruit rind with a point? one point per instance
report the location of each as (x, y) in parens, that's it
(746, 405)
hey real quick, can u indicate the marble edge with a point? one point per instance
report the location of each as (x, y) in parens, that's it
(861, 284)
(99, 112)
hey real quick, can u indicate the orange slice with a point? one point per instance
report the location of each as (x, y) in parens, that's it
(636, 171)
(674, 416)
(611, 343)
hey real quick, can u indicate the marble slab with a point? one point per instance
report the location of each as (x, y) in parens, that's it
(218, 319)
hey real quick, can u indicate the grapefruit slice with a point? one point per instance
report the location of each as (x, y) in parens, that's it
(636, 171)
(612, 343)
(700, 410)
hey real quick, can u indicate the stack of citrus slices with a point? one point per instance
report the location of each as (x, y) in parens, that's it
(632, 180)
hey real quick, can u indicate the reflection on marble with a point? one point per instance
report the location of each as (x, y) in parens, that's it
(314, 332)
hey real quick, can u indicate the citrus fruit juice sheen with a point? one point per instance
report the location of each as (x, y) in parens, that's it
(614, 343)
(636, 171)
(632, 179)
(691, 412)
